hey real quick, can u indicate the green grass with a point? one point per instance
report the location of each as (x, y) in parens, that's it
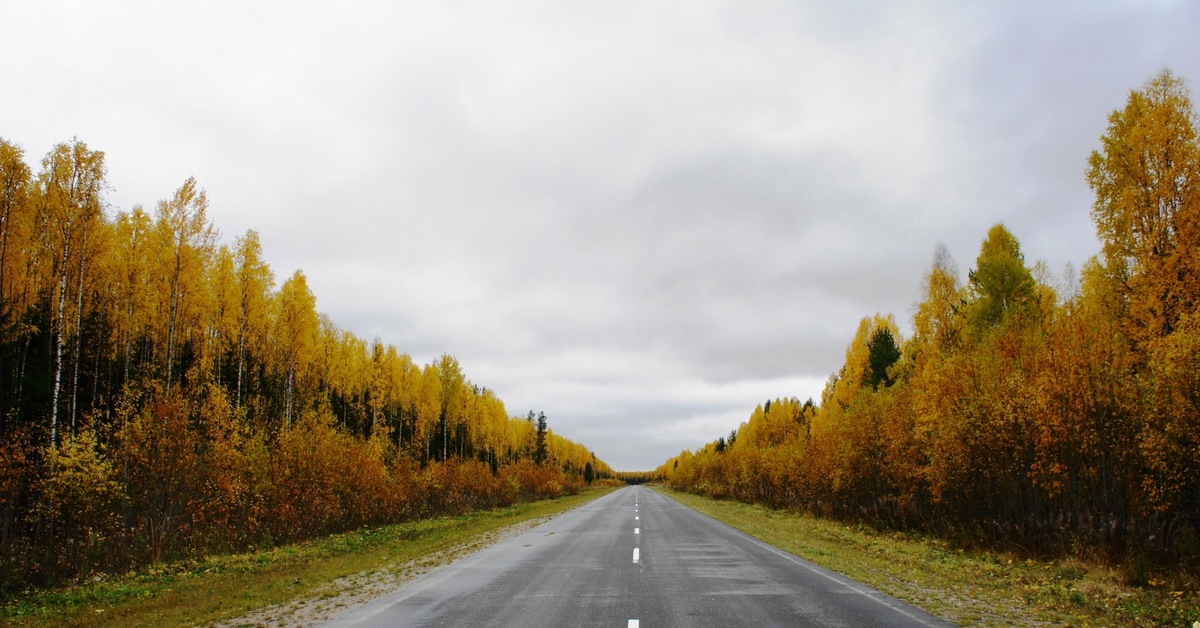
(224, 587)
(973, 588)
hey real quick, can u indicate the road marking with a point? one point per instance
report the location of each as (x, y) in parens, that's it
(636, 554)
(636, 518)
(637, 530)
(633, 623)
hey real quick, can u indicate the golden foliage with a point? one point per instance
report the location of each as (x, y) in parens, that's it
(1017, 415)
(160, 397)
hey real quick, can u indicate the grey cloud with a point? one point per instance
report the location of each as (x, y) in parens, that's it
(643, 219)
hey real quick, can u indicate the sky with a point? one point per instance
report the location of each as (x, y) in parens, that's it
(641, 218)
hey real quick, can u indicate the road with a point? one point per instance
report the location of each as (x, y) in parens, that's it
(634, 559)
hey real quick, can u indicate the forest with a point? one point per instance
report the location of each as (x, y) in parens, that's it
(1042, 416)
(161, 397)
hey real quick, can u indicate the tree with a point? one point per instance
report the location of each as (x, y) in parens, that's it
(296, 333)
(70, 186)
(453, 385)
(882, 353)
(254, 280)
(856, 372)
(1146, 178)
(539, 451)
(429, 408)
(938, 323)
(187, 240)
(1002, 286)
(15, 178)
(16, 213)
(77, 509)
(129, 273)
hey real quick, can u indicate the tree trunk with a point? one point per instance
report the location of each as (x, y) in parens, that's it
(287, 403)
(58, 342)
(173, 311)
(78, 334)
(241, 364)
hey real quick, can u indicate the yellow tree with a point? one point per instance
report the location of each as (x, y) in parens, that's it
(400, 372)
(1002, 287)
(453, 387)
(223, 288)
(409, 396)
(16, 214)
(494, 426)
(937, 323)
(1087, 458)
(429, 407)
(296, 335)
(129, 282)
(70, 187)
(186, 243)
(96, 241)
(341, 355)
(1146, 178)
(254, 281)
(381, 386)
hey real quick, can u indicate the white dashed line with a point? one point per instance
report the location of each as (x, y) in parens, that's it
(636, 554)
(637, 530)
(633, 623)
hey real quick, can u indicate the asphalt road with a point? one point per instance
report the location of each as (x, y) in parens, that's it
(634, 559)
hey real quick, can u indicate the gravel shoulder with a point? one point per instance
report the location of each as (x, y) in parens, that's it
(327, 601)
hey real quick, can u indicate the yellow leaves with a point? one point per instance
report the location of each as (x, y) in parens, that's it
(78, 481)
(16, 222)
(1002, 288)
(79, 497)
(297, 323)
(227, 412)
(1146, 179)
(842, 391)
(1171, 439)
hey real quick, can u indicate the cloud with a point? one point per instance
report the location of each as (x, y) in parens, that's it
(643, 219)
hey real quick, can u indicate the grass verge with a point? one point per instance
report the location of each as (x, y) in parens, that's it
(970, 588)
(221, 588)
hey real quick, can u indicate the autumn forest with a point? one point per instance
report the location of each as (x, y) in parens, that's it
(161, 398)
(163, 395)
(1022, 412)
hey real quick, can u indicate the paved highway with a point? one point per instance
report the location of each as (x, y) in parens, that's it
(634, 559)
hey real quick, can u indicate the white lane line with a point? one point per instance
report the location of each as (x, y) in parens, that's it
(637, 530)
(636, 554)
(633, 623)
(636, 518)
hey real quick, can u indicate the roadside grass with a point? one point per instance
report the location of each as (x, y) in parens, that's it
(967, 587)
(225, 587)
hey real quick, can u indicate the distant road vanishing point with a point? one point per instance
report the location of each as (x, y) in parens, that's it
(634, 559)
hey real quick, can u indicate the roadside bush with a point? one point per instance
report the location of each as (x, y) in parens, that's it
(78, 528)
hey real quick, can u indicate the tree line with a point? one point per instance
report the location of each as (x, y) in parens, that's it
(1024, 412)
(161, 397)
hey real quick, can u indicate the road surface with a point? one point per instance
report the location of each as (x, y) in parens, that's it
(634, 559)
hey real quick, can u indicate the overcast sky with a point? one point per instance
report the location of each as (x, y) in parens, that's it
(642, 218)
